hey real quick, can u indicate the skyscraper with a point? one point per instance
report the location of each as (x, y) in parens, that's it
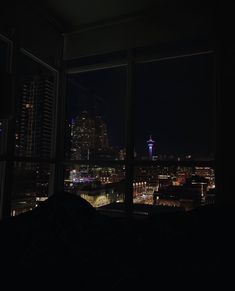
(34, 126)
(88, 136)
(150, 143)
(33, 138)
(82, 136)
(101, 134)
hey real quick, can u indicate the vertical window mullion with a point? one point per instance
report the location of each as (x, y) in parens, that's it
(130, 133)
(57, 183)
(7, 165)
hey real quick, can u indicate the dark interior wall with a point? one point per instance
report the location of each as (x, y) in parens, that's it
(151, 28)
(225, 79)
(23, 23)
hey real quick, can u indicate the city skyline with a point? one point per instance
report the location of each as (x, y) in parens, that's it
(89, 136)
(174, 102)
(77, 135)
(173, 122)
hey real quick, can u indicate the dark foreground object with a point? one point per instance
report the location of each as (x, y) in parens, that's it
(66, 240)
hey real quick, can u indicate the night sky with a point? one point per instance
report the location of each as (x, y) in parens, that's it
(174, 103)
(103, 93)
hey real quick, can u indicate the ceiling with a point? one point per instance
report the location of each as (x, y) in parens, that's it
(75, 15)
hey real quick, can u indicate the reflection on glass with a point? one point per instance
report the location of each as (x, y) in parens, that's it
(35, 109)
(94, 127)
(100, 186)
(175, 109)
(30, 186)
(174, 186)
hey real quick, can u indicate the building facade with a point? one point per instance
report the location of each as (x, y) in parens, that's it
(35, 115)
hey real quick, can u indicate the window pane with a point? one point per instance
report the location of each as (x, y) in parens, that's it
(30, 186)
(35, 110)
(98, 185)
(174, 186)
(96, 115)
(175, 109)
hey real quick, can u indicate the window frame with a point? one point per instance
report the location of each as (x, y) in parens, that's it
(57, 160)
(8, 159)
(131, 61)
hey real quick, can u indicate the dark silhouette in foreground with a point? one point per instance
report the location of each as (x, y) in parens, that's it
(65, 238)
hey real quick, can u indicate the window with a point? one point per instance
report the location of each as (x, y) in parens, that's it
(27, 130)
(98, 185)
(174, 186)
(175, 109)
(136, 132)
(95, 149)
(30, 186)
(95, 125)
(173, 125)
(35, 108)
(34, 140)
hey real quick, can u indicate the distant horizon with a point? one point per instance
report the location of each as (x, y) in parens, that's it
(144, 153)
(174, 102)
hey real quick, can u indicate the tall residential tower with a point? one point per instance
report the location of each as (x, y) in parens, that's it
(88, 136)
(34, 128)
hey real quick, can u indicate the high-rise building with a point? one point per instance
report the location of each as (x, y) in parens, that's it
(34, 126)
(33, 138)
(101, 134)
(89, 136)
(82, 136)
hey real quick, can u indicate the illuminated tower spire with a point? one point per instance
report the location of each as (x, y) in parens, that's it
(150, 143)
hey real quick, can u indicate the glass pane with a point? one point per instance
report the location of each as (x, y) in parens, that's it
(174, 186)
(96, 115)
(175, 109)
(3, 136)
(30, 186)
(100, 186)
(35, 109)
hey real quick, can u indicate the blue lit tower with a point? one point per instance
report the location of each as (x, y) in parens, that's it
(150, 143)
